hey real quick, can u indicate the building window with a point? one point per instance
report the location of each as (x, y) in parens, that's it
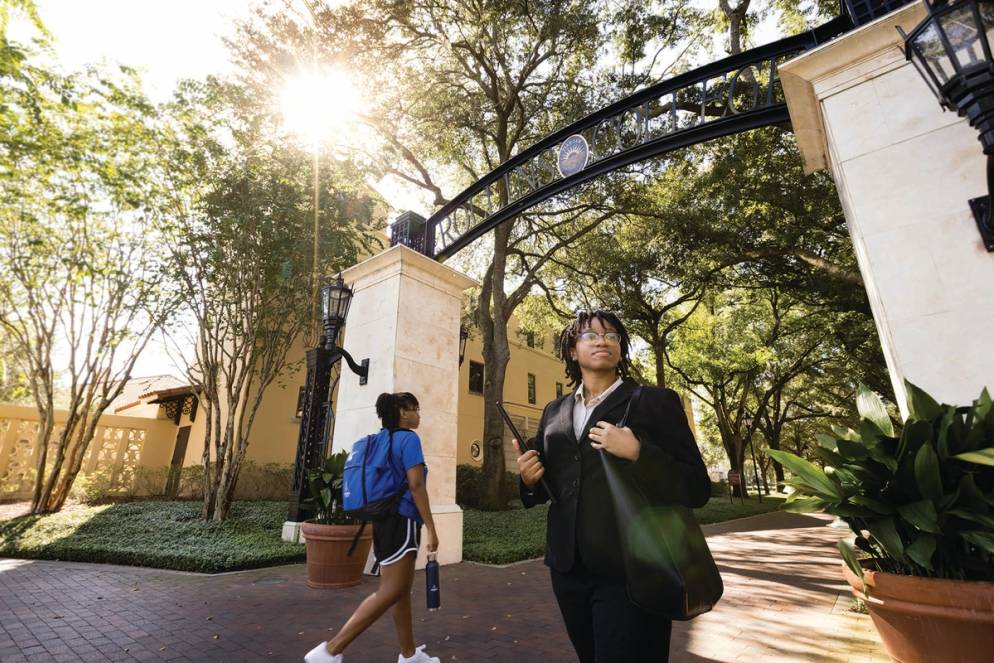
(530, 339)
(475, 377)
(559, 389)
(531, 389)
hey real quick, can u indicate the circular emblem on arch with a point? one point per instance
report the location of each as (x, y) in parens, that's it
(573, 155)
(475, 451)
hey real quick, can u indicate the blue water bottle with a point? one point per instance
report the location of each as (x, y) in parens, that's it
(432, 594)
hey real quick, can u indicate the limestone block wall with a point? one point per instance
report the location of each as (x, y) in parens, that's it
(905, 171)
(405, 318)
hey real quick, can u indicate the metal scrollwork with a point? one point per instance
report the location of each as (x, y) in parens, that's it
(736, 94)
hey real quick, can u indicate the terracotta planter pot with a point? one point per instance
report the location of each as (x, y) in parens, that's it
(925, 620)
(328, 563)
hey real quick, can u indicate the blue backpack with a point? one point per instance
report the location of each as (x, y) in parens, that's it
(373, 482)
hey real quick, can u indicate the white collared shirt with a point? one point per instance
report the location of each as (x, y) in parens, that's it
(582, 410)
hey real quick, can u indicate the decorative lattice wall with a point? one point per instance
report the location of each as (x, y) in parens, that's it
(116, 450)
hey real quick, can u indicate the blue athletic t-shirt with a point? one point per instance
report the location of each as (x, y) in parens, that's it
(406, 454)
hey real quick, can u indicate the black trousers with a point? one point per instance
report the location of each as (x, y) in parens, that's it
(603, 625)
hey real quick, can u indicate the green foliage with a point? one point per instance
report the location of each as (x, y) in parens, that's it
(256, 482)
(920, 499)
(326, 490)
(168, 535)
(267, 481)
(720, 508)
(502, 537)
(469, 479)
(91, 488)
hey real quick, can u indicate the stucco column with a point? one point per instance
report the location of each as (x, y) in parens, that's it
(405, 318)
(905, 171)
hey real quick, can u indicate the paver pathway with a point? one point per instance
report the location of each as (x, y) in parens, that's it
(784, 601)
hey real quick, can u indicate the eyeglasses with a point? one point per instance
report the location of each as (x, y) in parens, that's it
(591, 337)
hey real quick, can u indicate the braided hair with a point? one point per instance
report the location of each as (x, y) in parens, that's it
(569, 334)
(388, 407)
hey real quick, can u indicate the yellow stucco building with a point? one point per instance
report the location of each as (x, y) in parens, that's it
(155, 428)
(534, 377)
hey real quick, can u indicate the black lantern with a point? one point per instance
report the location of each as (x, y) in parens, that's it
(463, 337)
(951, 49)
(335, 300)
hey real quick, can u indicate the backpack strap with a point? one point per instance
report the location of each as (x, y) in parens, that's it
(355, 539)
(403, 474)
(362, 475)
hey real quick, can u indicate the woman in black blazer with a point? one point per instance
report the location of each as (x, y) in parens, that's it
(583, 543)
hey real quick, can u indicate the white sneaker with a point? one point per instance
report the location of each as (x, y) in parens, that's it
(320, 655)
(419, 657)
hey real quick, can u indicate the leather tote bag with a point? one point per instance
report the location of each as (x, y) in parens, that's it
(669, 569)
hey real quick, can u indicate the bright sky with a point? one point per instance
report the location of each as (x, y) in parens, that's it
(166, 40)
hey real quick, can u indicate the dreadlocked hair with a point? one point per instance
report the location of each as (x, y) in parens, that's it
(388, 407)
(569, 334)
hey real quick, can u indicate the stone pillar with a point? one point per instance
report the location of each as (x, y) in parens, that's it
(905, 171)
(405, 317)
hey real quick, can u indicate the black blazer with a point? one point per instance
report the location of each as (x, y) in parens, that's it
(583, 521)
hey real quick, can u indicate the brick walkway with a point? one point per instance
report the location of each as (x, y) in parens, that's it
(784, 601)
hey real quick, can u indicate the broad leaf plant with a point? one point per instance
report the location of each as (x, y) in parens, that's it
(920, 498)
(325, 483)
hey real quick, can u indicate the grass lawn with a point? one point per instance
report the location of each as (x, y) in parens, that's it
(718, 509)
(503, 537)
(167, 535)
(170, 535)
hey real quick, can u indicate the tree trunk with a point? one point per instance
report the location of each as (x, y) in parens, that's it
(496, 354)
(761, 471)
(734, 34)
(658, 348)
(223, 499)
(778, 473)
(45, 427)
(774, 442)
(492, 316)
(226, 492)
(736, 459)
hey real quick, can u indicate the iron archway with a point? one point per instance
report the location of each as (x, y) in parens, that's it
(729, 96)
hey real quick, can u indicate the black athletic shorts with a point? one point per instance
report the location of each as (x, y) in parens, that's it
(394, 537)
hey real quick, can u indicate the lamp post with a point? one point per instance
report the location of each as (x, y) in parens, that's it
(951, 49)
(316, 412)
(463, 337)
(335, 301)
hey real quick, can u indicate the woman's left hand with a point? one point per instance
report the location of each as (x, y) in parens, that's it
(620, 442)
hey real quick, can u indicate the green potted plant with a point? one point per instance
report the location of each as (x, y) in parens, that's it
(920, 500)
(330, 535)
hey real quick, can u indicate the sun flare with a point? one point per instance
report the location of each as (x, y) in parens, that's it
(316, 104)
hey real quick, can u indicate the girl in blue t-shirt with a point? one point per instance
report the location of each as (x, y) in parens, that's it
(395, 539)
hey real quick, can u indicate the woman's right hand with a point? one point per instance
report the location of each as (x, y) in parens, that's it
(529, 466)
(431, 540)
